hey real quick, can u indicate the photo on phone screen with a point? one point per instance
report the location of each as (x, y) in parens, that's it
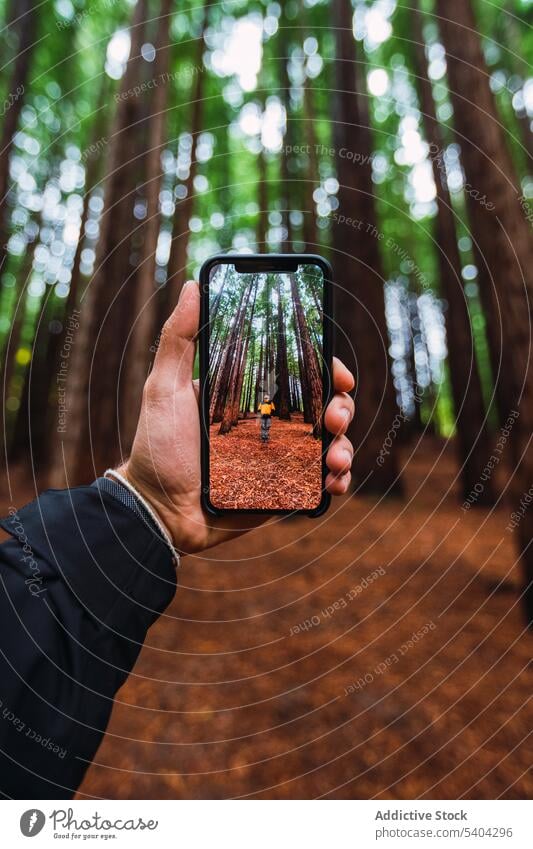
(266, 388)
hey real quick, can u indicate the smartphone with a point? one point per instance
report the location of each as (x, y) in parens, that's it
(265, 375)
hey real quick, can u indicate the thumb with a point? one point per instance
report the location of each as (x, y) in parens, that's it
(175, 354)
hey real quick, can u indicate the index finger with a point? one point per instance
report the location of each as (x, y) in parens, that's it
(343, 380)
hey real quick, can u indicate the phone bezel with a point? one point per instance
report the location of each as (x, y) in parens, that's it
(262, 262)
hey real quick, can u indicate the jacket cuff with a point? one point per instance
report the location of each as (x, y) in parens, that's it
(119, 570)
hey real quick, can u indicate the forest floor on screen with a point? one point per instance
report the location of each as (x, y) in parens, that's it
(283, 473)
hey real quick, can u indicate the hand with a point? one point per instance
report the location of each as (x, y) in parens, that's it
(164, 465)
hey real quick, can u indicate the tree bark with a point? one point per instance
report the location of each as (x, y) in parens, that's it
(92, 439)
(177, 263)
(26, 24)
(231, 374)
(362, 338)
(310, 362)
(470, 414)
(138, 354)
(312, 177)
(285, 95)
(502, 236)
(282, 368)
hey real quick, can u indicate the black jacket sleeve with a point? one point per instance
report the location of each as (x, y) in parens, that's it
(81, 581)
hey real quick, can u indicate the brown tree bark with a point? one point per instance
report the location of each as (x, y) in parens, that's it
(12, 342)
(223, 381)
(259, 376)
(362, 338)
(310, 362)
(308, 417)
(177, 262)
(502, 236)
(138, 353)
(28, 439)
(282, 367)
(229, 381)
(26, 25)
(91, 440)
(243, 355)
(262, 200)
(470, 414)
(285, 95)
(312, 176)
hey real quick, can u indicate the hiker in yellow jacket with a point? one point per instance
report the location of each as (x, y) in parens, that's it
(265, 409)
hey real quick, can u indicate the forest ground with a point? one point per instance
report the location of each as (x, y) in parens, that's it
(283, 473)
(231, 696)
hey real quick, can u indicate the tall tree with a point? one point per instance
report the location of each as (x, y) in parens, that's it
(362, 340)
(312, 175)
(145, 301)
(470, 414)
(92, 433)
(501, 233)
(230, 378)
(25, 25)
(285, 192)
(282, 367)
(177, 263)
(309, 359)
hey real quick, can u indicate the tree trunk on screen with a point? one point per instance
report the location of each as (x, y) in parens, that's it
(138, 353)
(470, 414)
(282, 368)
(91, 440)
(222, 388)
(26, 19)
(243, 356)
(310, 362)
(362, 338)
(230, 380)
(503, 237)
(177, 263)
(258, 376)
(312, 176)
(306, 406)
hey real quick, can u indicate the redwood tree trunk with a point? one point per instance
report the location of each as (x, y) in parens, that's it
(312, 176)
(285, 95)
(177, 262)
(502, 235)
(26, 11)
(469, 406)
(362, 337)
(310, 362)
(138, 353)
(91, 440)
(282, 367)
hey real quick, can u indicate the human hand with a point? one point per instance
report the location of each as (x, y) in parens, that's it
(164, 465)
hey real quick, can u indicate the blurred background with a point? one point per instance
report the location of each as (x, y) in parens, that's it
(382, 650)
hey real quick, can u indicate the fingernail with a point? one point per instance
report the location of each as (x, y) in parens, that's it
(347, 457)
(346, 413)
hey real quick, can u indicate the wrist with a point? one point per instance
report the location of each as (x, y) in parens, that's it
(123, 474)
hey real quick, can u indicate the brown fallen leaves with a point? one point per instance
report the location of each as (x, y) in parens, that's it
(281, 474)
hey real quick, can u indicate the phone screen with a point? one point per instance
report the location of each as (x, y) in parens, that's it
(266, 375)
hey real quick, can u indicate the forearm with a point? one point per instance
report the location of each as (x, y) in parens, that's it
(82, 580)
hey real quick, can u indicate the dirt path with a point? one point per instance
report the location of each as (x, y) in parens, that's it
(283, 473)
(287, 666)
